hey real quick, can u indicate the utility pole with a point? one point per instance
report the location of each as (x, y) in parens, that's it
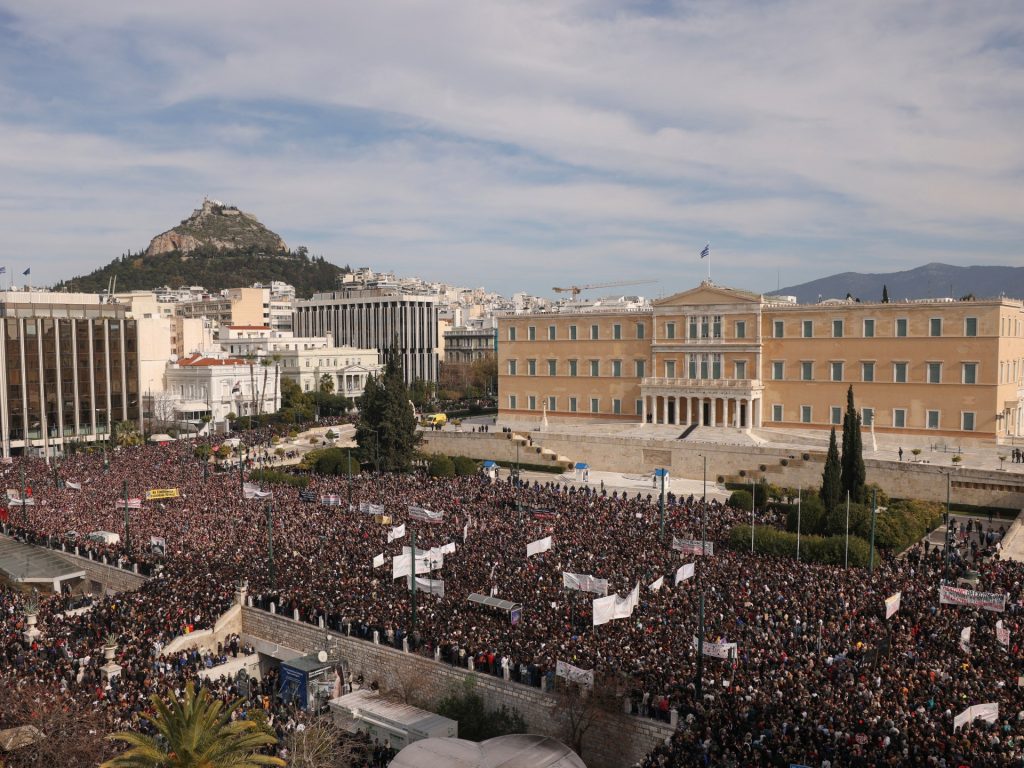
(949, 533)
(661, 503)
(874, 517)
(241, 481)
(799, 495)
(412, 582)
(348, 466)
(270, 545)
(753, 505)
(699, 687)
(704, 519)
(24, 508)
(127, 529)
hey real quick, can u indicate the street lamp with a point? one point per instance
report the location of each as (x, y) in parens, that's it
(699, 688)
(270, 545)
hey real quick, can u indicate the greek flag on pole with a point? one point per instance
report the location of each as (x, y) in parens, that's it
(706, 252)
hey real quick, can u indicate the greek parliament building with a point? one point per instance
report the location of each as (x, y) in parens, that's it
(719, 357)
(70, 369)
(376, 318)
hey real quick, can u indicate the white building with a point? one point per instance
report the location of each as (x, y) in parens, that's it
(204, 385)
(305, 359)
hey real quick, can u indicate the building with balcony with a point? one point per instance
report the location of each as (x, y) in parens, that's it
(212, 386)
(70, 369)
(720, 357)
(468, 344)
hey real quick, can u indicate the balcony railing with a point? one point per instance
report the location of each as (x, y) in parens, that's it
(738, 384)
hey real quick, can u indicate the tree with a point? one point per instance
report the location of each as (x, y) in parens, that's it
(126, 433)
(195, 731)
(885, 294)
(386, 430)
(476, 721)
(579, 709)
(70, 732)
(321, 744)
(832, 478)
(326, 383)
(854, 475)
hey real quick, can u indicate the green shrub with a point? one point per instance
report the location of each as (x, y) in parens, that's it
(276, 477)
(441, 466)
(811, 514)
(827, 550)
(465, 466)
(740, 499)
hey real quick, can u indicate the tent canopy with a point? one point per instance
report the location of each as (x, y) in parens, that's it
(490, 464)
(582, 465)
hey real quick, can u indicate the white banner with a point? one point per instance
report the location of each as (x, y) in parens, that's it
(684, 572)
(892, 604)
(465, 532)
(989, 601)
(396, 533)
(717, 650)
(157, 545)
(538, 546)
(965, 639)
(401, 564)
(433, 557)
(1002, 634)
(448, 549)
(614, 607)
(376, 509)
(987, 712)
(575, 674)
(425, 515)
(251, 491)
(693, 546)
(119, 504)
(433, 586)
(378, 561)
(584, 582)
(72, 485)
(657, 584)
(13, 497)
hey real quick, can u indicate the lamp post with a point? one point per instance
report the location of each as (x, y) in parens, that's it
(753, 505)
(949, 533)
(412, 582)
(24, 507)
(799, 498)
(127, 529)
(348, 467)
(661, 503)
(874, 518)
(699, 687)
(270, 545)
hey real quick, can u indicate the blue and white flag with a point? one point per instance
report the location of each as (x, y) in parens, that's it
(706, 251)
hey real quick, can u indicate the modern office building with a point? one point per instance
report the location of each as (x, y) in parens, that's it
(720, 357)
(70, 370)
(380, 318)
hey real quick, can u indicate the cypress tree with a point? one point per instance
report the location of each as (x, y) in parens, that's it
(832, 478)
(386, 430)
(854, 475)
(885, 293)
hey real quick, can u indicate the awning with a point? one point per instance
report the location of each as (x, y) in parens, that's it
(490, 464)
(581, 465)
(191, 406)
(493, 602)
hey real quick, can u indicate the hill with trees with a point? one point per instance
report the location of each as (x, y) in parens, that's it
(217, 247)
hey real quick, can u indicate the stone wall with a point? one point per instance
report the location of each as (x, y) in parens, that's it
(104, 579)
(640, 456)
(622, 742)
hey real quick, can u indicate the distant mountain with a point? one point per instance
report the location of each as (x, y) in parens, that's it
(217, 247)
(930, 281)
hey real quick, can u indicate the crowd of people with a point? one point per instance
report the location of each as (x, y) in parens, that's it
(820, 676)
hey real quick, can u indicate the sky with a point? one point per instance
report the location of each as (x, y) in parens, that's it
(522, 145)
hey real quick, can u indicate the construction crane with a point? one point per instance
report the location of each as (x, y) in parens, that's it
(576, 289)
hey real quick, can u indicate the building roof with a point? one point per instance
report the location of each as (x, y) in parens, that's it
(249, 327)
(519, 750)
(197, 360)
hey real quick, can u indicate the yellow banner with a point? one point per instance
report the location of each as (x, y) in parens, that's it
(162, 493)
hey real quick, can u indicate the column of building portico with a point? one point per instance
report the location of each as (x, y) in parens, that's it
(643, 410)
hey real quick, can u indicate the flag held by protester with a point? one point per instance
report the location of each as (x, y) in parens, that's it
(684, 572)
(538, 546)
(892, 604)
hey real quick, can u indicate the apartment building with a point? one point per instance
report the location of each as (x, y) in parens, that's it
(721, 357)
(69, 370)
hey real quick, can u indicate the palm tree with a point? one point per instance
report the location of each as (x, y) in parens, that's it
(196, 732)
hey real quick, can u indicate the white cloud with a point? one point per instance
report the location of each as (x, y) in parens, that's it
(545, 132)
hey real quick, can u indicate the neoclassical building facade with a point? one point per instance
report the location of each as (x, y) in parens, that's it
(720, 357)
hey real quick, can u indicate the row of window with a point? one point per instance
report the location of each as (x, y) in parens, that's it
(573, 404)
(868, 325)
(710, 327)
(932, 420)
(573, 367)
(709, 366)
(640, 331)
(837, 369)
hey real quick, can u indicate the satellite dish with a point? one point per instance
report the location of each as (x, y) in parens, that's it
(322, 657)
